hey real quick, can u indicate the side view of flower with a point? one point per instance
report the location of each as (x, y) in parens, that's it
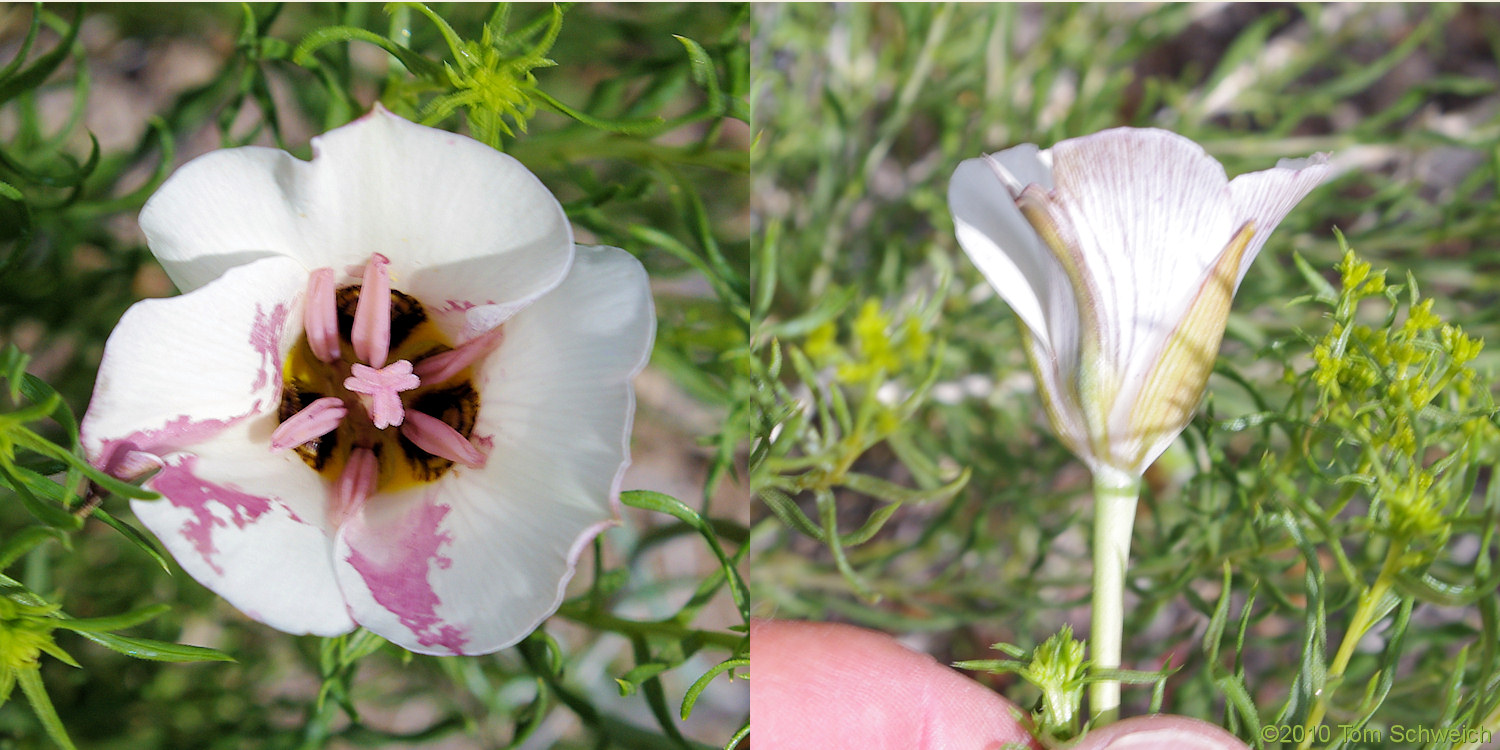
(393, 393)
(1120, 252)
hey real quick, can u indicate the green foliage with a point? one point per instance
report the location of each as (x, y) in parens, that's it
(1318, 548)
(634, 116)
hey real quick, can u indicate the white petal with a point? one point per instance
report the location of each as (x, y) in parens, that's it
(228, 208)
(1150, 211)
(196, 380)
(229, 514)
(1002, 244)
(461, 222)
(1267, 197)
(478, 561)
(179, 370)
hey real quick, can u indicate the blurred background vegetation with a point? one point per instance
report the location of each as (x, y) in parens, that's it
(640, 128)
(904, 475)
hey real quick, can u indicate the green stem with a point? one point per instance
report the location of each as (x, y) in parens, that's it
(1115, 495)
(581, 613)
(1364, 618)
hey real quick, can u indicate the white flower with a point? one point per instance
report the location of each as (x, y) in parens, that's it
(393, 393)
(1120, 252)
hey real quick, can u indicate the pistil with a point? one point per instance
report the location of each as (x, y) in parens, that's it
(383, 386)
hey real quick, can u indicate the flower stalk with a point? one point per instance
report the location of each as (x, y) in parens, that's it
(1365, 616)
(1115, 497)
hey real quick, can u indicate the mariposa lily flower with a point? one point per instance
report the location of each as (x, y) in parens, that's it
(1120, 252)
(393, 394)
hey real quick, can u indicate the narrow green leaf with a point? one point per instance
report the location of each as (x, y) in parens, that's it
(412, 60)
(704, 73)
(41, 703)
(136, 536)
(31, 77)
(690, 698)
(27, 485)
(626, 127)
(25, 541)
(786, 509)
(894, 493)
(153, 650)
(113, 622)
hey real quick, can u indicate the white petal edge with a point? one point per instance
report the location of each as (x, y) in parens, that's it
(196, 380)
(228, 208)
(1003, 245)
(460, 221)
(1266, 198)
(498, 545)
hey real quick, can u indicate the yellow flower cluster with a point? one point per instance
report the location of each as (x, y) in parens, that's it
(879, 346)
(1381, 385)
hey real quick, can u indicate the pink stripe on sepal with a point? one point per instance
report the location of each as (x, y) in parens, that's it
(356, 483)
(372, 317)
(440, 367)
(321, 317)
(315, 420)
(436, 437)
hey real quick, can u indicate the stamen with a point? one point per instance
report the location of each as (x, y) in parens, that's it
(315, 420)
(134, 464)
(321, 317)
(436, 437)
(356, 484)
(381, 386)
(440, 367)
(372, 317)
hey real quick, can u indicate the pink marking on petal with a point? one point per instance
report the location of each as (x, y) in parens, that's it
(397, 570)
(321, 319)
(458, 305)
(212, 506)
(315, 420)
(382, 386)
(438, 438)
(178, 433)
(356, 484)
(440, 367)
(371, 335)
(265, 337)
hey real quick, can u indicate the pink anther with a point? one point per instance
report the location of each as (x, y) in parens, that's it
(372, 316)
(315, 420)
(321, 316)
(131, 465)
(382, 386)
(440, 367)
(356, 484)
(436, 437)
